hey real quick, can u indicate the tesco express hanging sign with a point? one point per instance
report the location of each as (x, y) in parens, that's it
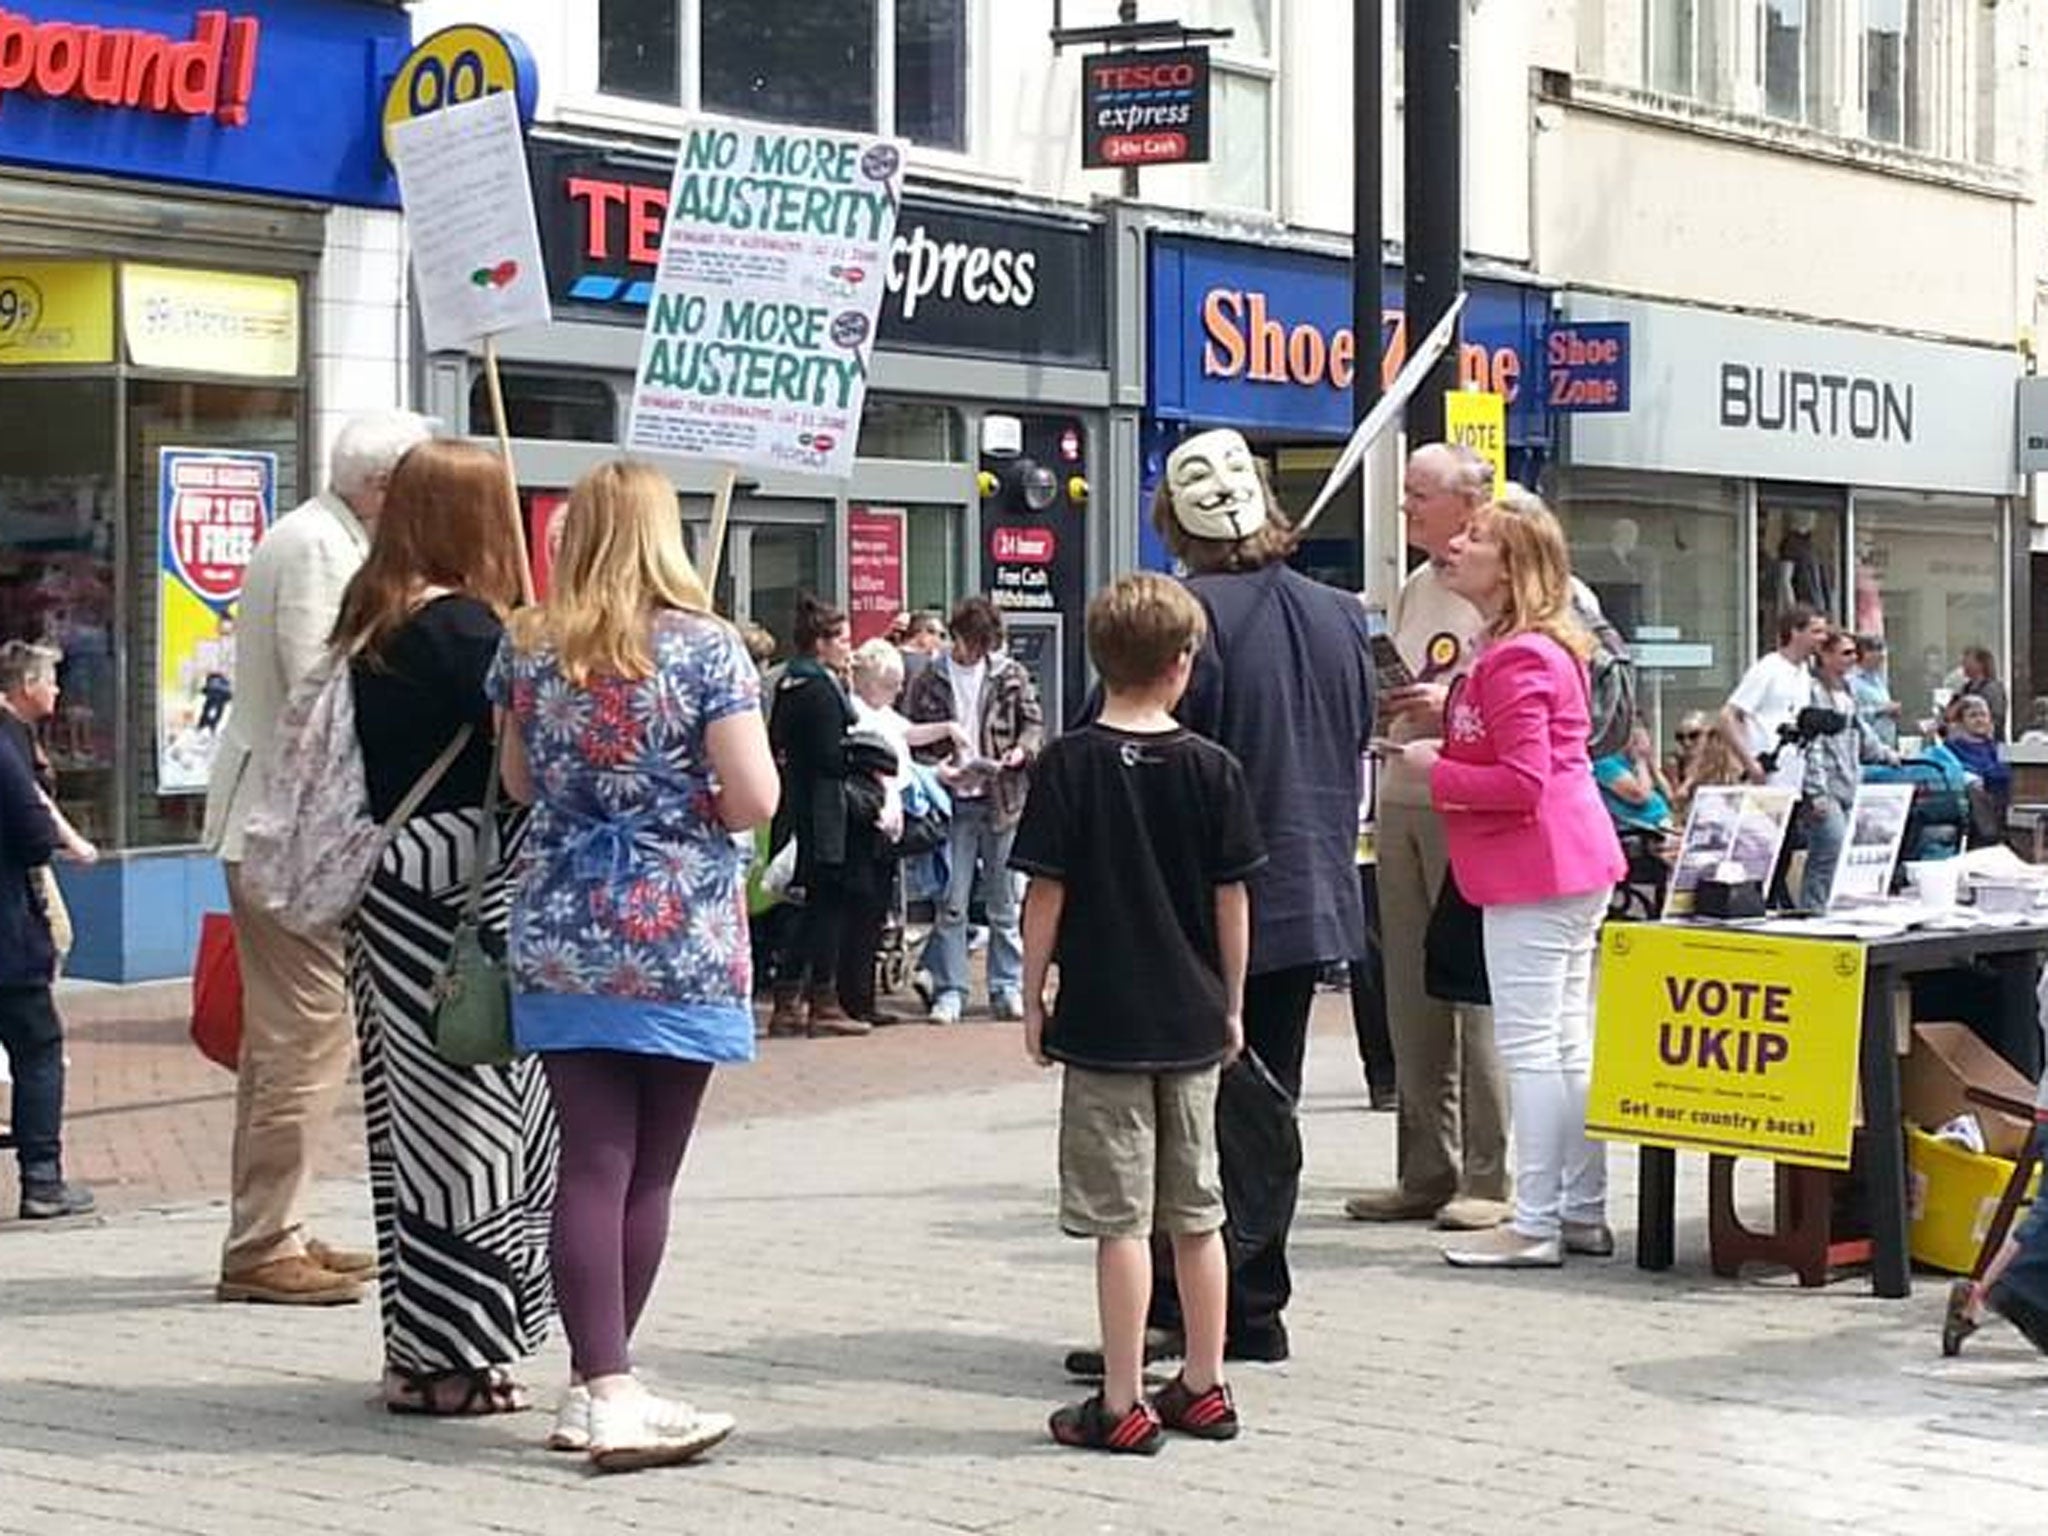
(266, 96)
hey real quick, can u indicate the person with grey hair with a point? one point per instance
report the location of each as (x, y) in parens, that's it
(297, 1032)
(1451, 1137)
(28, 697)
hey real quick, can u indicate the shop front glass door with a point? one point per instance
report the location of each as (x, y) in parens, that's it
(1929, 583)
(58, 504)
(782, 562)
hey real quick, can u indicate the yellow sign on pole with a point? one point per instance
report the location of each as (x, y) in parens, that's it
(1715, 1041)
(55, 312)
(1480, 422)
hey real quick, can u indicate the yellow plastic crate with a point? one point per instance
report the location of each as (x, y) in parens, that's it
(1952, 1194)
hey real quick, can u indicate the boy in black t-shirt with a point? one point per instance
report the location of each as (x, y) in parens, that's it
(1138, 836)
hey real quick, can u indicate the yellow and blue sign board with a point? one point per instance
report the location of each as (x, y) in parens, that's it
(1710, 1040)
(458, 64)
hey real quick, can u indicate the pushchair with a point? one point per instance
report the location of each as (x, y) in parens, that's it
(1938, 821)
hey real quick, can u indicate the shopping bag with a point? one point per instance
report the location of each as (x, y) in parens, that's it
(1258, 1140)
(1454, 949)
(217, 992)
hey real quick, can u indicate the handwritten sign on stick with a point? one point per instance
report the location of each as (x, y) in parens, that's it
(469, 215)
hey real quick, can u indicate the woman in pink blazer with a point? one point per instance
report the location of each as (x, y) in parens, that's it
(1532, 846)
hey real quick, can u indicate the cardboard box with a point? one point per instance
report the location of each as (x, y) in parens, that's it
(1951, 1196)
(1947, 1059)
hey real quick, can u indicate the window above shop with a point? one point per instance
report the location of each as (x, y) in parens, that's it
(894, 66)
(911, 429)
(1918, 74)
(549, 407)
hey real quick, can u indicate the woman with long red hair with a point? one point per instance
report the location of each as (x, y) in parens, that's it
(462, 1159)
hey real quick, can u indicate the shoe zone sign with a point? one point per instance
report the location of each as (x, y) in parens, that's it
(277, 96)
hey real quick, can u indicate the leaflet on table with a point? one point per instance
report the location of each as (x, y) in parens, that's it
(1738, 825)
(1877, 824)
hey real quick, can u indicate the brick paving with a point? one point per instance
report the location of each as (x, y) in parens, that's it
(864, 1270)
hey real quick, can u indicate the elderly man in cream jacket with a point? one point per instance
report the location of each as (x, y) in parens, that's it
(297, 1033)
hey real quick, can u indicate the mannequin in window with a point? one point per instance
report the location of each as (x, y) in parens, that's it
(1869, 593)
(1623, 576)
(1802, 575)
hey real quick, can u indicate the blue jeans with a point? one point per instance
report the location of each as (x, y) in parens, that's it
(34, 1041)
(1827, 828)
(2021, 1291)
(972, 841)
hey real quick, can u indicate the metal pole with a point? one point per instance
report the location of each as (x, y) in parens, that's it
(1435, 195)
(1126, 13)
(1379, 516)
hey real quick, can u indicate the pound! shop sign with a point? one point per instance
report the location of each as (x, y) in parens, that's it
(210, 74)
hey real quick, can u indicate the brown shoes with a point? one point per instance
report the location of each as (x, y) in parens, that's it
(352, 1262)
(786, 1020)
(294, 1282)
(828, 1018)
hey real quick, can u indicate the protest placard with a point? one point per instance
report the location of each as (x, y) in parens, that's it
(773, 265)
(476, 258)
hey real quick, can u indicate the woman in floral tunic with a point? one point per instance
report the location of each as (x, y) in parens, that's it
(639, 742)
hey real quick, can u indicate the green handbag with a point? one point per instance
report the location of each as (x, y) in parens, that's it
(473, 998)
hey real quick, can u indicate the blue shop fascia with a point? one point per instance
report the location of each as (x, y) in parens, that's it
(199, 268)
(1259, 337)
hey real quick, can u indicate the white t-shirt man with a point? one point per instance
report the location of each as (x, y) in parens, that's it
(968, 683)
(1771, 694)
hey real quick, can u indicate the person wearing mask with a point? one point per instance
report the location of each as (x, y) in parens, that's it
(1873, 694)
(807, 727)
(1532, 847)
(1284, 681)
(31, 1033)
(297, 1038)
(1771, 694)
(461, 1159)
(28, 697)
(1451, 1132)
(980, 688)
(1980, 681)
(633, 727)
(1834, 767)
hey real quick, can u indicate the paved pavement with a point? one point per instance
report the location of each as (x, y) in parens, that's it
(865, 1270)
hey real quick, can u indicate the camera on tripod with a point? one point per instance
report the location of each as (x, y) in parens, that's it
(1802, 730)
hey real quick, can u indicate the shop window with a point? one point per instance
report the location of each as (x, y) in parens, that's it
(911, 429)
(1889, 71)
(176, 647)
(1664, 555)
(1798, 554)
(550, 407)
(1791, 55)
(931, 558)
(58, 501)
(1682, 47)
(1929, 582)
(1243, 92)
(639, 50)
(795, 61)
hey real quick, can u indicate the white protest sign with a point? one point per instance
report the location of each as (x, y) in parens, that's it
(763, 319)
(469, 215)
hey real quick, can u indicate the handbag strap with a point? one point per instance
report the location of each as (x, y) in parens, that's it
(486, 839)
(423, 786)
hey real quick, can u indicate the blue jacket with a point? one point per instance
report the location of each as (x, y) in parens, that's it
(27, 839)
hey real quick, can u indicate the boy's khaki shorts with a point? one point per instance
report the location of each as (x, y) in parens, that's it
(1138, 1153)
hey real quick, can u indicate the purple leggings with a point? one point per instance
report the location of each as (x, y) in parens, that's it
(625, 1123)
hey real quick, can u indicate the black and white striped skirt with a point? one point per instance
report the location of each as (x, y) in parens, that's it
(462, 1160)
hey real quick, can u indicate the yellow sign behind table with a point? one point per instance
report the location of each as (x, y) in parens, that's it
(55, 312)
(1479, 421)
(1711, 1040)
(241, 323)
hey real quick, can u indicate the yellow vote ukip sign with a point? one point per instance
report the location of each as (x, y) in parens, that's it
(1710, 1040)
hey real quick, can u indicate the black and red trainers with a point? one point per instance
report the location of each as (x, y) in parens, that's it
(1087, 1425)
(1210, 1415)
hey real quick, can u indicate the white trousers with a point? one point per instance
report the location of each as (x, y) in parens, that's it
(1539, 964)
